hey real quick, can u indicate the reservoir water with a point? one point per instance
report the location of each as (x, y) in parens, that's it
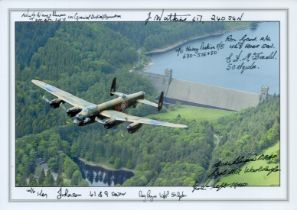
(98, 176)
(213, 69)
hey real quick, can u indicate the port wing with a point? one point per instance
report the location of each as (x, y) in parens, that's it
(63, 95)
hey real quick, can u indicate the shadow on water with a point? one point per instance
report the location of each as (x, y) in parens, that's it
(99, 176)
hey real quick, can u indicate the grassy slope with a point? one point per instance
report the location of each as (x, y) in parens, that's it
(192, 113)
(259, 178)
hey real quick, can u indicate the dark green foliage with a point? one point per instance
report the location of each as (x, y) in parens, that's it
(32, 181)
(69, 167)
(157, 34)
(29, 37)
(49, 179)
(59, 180)
(248, 132)
(41, 178)
(50, 151)
(179, 174)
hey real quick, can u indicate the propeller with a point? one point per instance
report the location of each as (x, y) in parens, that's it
(49, 102)
(46, 99)
(63, 106)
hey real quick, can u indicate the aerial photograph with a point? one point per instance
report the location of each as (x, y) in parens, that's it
(129, 103)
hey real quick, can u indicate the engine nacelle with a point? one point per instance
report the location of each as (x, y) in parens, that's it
(111, 123)
(87, 120)
(82, 122)
(133, 127)
(71, 112)
(55, 103)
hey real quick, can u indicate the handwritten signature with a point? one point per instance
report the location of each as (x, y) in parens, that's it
(66, 193)
(150, 196)
(183, 17)
(38, 193)
(57, 16)
(219, 186)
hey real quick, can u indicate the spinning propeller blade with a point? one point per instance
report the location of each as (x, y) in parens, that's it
(45, 99)
(63, 106)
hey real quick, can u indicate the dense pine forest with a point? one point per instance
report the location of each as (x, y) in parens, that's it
(82, 58)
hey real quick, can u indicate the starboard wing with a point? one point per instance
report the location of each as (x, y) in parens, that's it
(120, 116)
(63, 95)
(147, 102)
(157, 105)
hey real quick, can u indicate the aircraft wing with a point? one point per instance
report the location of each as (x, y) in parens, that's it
(63, 95)
(119, 94)
(120, 116)
(147, 102)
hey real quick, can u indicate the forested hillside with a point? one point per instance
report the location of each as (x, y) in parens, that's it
(156, 35)
(250, 131)
(82, 58)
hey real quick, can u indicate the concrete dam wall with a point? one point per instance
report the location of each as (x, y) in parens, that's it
(197, 94)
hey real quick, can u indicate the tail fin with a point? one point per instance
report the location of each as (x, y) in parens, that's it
(160, 103)
(113, 86)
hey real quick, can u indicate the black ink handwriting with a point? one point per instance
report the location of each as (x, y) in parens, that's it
(57, 16)
(171, 17)
(243, 159)
(67, 194)
(147, 196)
(39, 193)
(215, 17)
(219, 186)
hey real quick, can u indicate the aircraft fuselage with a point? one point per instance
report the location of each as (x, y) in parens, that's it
(88, 115)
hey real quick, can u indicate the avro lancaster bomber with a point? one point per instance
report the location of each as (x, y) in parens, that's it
(110, 113)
